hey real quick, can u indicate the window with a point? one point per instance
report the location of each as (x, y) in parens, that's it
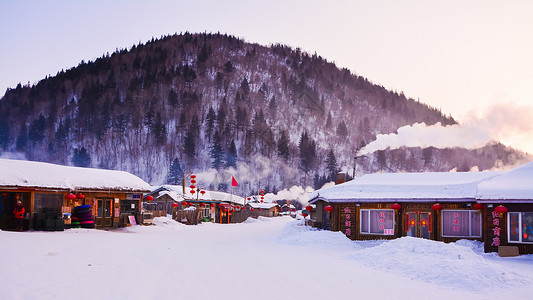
(520, 225)
(206, 211)
(377, 221)
(44, 201)
(461, 223)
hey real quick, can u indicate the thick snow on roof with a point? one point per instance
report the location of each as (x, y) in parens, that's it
(208, 196)
(262, 205)
(407, 186)
(172, 194)
(19, 173)
(516, 184)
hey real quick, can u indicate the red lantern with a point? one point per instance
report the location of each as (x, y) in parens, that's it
(328, 208)
(436, 206)
(212, 204)
(202, 204)
(396, 206)
(175, 204)
(192, 186)
(193, 191)
(149, 198)
(80, 196)
(225, 210)
(202, 192)
(249, 198)
(243, 208)
(238, 207)
(260, 209)
(501, 210)
(262, 201)
(193, 181)
(252, 209)
(71, 196)
(309, 208)
(304, 214)
(184, 203)
(478, 206)
(193, 176)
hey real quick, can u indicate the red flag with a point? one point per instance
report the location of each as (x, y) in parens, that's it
(233, 181)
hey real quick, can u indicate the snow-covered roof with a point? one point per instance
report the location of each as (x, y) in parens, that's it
(262, 205)
(406, 186)
(516, 184)
(207, 196)
(31, 174)
(172, 194)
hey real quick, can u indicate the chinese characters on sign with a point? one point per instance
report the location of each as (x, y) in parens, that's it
(382, 221)
(456, 222)
(496, 229)
(348, 222)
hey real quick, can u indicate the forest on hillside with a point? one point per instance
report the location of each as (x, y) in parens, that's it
(218, 106)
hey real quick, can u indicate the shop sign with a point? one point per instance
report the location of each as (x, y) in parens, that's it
(497, 229)
(133, 196)
(348, 221)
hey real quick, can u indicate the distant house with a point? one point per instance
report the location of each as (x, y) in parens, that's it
(438, 206)
(210, 206)
(44, 189)
(258, 209)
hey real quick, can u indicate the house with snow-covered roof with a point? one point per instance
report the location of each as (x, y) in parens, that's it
(258, 209)
(493, 207)
(202, 205)
(50, 191)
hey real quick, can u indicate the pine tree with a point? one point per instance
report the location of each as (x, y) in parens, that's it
(37, 127)
(307, 152)
(331, 165)
(283, 146)
(231, 156)
(4, 133)
(190, 145)
(173, 98)
(210, 123)
(217, 153)
(329, 121)
(175, 173)
(245, 87)
(228, 67)
(81, 158)
(342, 130)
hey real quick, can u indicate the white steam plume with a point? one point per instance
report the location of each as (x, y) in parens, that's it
(499, 122)
(294, 193)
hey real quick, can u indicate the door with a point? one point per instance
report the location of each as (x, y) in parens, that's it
(104, 212)
(419, 224)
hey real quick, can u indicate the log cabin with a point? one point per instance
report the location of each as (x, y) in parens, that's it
(493, 207)
(50, 193)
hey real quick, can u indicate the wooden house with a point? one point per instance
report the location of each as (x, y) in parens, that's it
(201, 206)
(438, 206)
(258, 209)
(53, 191)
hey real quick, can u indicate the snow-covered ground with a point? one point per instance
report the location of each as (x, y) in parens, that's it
(274, 258)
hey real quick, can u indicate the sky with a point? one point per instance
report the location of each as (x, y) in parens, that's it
(471, 59)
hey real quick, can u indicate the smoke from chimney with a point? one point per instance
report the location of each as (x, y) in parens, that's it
(501, 122)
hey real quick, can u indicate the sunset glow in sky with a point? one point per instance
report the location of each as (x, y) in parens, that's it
(473, 59)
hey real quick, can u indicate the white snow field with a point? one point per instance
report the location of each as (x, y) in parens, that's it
(268, 258)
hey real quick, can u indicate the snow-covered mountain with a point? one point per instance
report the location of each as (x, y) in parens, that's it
(218, 106)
